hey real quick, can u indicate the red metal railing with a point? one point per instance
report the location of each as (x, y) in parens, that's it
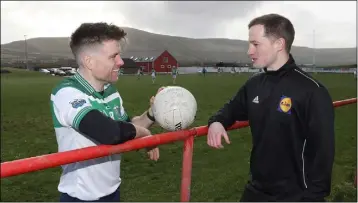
(21, 166)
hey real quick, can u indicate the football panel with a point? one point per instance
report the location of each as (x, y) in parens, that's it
(187, 117)
(174, 108)
(177, 120)
(167, 120)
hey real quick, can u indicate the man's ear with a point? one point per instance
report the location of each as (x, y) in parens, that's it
(88, 62)
(280, 44)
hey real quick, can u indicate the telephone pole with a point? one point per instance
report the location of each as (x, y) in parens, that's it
(314, 52)
(26, 59)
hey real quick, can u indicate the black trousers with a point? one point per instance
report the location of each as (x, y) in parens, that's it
(252, 194)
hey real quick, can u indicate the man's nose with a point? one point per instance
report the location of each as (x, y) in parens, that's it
(120, 61)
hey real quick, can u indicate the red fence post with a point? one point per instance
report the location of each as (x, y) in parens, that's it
(355, 180)
(186, 169)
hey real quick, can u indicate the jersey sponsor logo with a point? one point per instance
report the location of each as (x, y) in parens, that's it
(285, 105)
(77, 103)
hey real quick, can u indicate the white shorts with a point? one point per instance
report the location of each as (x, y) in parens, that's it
(174, 76)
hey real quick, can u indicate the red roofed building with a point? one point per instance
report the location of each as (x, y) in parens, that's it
(161, 62)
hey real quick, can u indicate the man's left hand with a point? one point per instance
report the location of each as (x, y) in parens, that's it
(151, 101)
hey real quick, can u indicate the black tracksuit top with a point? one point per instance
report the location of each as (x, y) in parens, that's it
(291, 116)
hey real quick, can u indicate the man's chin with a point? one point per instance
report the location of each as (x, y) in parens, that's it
(113, 80)
(258, 66)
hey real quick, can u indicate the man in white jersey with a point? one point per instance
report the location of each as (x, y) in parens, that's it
(87, 110)
(154, 73)
(174, 74)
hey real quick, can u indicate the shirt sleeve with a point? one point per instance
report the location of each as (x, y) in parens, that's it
(234, 110)
(70, 105)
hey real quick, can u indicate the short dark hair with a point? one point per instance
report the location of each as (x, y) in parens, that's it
(94, 33)
(276, 26)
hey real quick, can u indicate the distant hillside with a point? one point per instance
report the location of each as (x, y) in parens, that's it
(188, 51)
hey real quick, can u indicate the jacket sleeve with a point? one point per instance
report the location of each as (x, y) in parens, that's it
(319, 148)
(234, 110)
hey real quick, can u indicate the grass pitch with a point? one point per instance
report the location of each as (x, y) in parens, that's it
(217, 175)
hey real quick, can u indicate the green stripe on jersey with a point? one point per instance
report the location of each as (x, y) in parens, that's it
(80, 115)
(84, 83)
(109, 91)
(109, 104)
(55, 121)
(68, 82)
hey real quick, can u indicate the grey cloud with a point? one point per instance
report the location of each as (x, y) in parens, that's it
(342, 32)
(188, 19)
(216, 10)
(319, 33)
(302, 22)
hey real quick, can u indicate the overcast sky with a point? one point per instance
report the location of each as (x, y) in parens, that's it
(334, 23)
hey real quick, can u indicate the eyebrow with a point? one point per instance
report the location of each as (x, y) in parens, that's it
(114, 54)
(253, 41)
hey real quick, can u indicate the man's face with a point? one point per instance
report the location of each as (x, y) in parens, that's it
(107, 61)
(262, 50)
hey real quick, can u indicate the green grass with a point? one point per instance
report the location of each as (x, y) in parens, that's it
(217, 175)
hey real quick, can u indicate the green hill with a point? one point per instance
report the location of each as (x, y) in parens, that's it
(188, 51)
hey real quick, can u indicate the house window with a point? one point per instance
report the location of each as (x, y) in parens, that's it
(169, 66)
(162, 66)
(165, 60)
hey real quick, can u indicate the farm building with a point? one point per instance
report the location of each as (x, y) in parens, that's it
(160, 61)
(129, 67)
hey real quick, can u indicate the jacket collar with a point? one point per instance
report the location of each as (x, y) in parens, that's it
(289, 65)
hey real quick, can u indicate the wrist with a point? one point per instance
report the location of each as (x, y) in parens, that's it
(142, 132)
(150, 114)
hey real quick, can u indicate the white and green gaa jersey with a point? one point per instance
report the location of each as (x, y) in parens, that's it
(70, 101)
(174, 71)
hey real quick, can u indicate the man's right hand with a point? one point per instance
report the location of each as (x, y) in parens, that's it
(153, 152)
(215, 132)
(141, 131)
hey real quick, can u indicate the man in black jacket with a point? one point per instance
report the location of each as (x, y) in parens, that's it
(291, 117)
